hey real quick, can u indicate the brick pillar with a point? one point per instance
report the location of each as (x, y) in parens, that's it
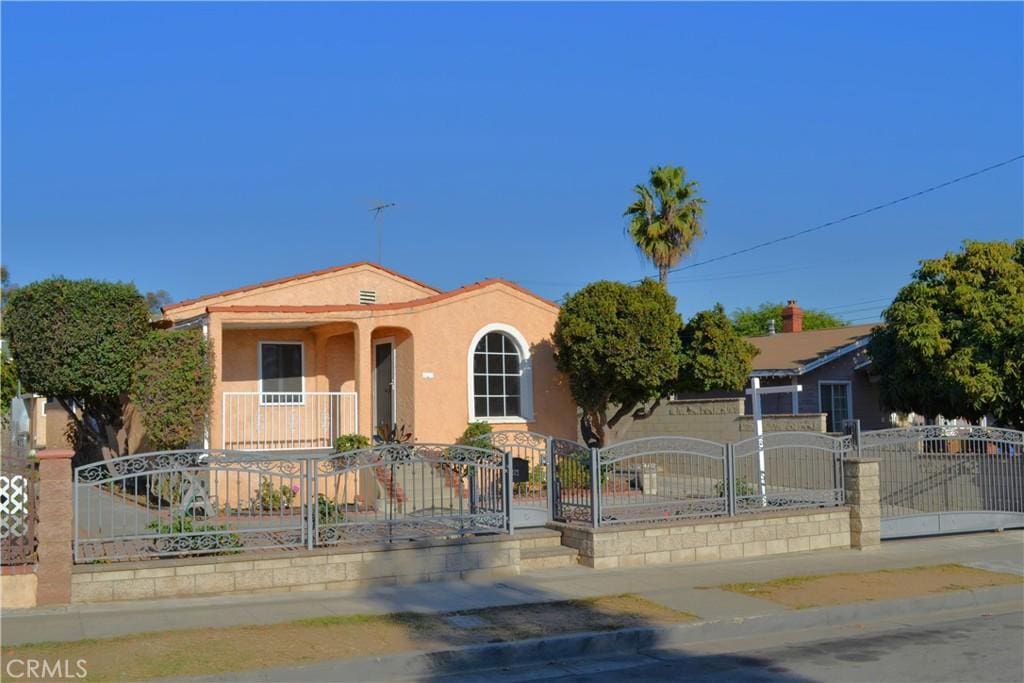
(860, 476)
(54, 531)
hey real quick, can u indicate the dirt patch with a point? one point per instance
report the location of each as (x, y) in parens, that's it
(211, 651)
(800, 592)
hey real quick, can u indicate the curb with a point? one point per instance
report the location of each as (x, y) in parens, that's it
(480, 658)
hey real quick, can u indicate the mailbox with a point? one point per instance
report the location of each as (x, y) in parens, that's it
(520, 470)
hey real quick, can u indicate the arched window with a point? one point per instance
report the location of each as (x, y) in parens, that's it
(500, 376)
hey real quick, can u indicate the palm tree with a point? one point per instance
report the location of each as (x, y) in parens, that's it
(665, 220)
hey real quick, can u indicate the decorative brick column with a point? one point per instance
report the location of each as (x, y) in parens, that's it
(54, 532)
(860, 476)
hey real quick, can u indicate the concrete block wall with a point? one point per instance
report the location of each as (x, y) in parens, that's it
(713, 419)
(297, 571)
(771, 533)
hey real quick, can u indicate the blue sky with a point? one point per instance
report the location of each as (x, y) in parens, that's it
(197, 147)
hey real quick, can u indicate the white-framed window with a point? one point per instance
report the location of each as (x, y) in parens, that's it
(835, 399)
(500, 376)
(281, 373)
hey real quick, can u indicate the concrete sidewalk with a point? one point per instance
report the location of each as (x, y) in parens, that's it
(678, 586)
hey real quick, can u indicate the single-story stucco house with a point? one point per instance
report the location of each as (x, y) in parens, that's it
(304, 359)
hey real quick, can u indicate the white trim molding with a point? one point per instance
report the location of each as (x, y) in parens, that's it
(525, 379)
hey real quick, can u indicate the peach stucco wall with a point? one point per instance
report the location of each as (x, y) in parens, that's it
(341, 287)
(432, 338)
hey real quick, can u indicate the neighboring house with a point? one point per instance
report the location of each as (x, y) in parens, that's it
(301, 360)
(832, 367)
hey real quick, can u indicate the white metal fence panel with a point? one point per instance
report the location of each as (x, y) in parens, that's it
(276, 421)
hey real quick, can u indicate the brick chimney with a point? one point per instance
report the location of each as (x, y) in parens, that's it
(792, 317)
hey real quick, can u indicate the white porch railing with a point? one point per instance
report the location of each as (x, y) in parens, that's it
(275, 421)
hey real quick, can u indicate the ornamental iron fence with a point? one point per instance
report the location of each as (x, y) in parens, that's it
(788, 470)
(662, 478)
(947, 479)
(202, 502)
(669, 478)
(401, 492)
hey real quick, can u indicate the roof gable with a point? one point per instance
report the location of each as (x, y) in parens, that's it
(331, 286)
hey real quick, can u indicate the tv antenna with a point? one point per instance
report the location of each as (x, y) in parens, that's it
(377, 210)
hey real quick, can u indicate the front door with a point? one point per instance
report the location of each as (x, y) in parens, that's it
(383, 383)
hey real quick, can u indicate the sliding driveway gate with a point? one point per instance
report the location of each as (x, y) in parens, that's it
(937, 480)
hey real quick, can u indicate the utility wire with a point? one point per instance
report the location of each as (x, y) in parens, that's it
(858, 214)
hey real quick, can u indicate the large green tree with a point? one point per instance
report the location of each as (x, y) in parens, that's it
(88, 344)
(753, 322)
(666, 218)
(953, 339)
(78, 341)
(714, 355)
(625, 349)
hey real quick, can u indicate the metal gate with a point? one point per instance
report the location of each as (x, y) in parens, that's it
(531, 492)
(936, 480)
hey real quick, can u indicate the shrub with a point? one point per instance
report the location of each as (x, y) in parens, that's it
(393, 433)
(275, 498)
(742, 487)
(327, 511)
(476, 435)
(573, 474)
(350, 442)
(173, 386)
(192, 537)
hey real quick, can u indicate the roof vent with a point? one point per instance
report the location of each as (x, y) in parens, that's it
(367, 297)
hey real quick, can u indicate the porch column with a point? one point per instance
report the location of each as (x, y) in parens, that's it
(364, 376)
(320, 350)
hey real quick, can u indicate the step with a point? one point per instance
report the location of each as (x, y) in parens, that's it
(538, 538)
(547, 558)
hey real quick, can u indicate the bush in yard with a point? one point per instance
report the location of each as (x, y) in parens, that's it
(953, 339)
(78, 341)
(172, 386)
(273, 498)
(186, 535)
(327, 511)
(476, 435)
(350, 442)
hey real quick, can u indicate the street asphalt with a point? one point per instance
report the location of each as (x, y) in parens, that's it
(970, 646)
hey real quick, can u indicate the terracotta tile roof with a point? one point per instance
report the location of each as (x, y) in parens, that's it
(415, 303)
(793, 350)
(300, 276)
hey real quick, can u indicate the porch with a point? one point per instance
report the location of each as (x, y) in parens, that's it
(285, 387)
(279, 421)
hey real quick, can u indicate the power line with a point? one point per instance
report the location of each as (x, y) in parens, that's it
(858, 214)
(857, 303)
